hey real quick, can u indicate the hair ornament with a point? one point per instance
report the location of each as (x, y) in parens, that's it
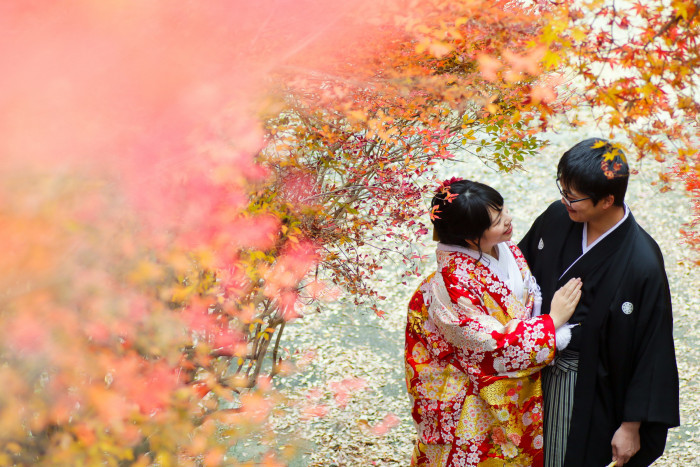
(611, 168)
(610, 163)
(443, 194)
(445, 185)
(444, 189)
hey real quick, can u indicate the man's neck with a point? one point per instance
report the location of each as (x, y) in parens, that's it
(603, 223)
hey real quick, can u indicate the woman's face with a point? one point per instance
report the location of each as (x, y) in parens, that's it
(501, 229)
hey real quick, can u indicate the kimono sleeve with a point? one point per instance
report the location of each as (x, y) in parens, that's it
(652, 393)
(484, 346)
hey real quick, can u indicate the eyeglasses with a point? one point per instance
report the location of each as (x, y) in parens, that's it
(565, 196)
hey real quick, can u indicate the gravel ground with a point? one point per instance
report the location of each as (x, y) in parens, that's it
(353, 343)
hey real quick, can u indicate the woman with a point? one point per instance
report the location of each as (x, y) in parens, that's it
(474, 341)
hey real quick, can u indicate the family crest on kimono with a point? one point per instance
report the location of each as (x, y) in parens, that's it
(475, 340)
(612, 393)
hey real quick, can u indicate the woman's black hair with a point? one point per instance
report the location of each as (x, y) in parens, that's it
(464, 217)
(595, 168)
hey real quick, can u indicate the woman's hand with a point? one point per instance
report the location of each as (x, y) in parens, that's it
(564, 302)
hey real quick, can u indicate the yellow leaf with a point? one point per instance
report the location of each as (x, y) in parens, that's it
(609, 156)
(264, 335)
(578, 34)
(164, 459)
(681, 8)
(146, 271)
(551, 60)
(181, 294)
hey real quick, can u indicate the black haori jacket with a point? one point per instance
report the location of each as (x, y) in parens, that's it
(627, 363)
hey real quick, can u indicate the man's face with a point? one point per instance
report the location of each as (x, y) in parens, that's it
(582, 209)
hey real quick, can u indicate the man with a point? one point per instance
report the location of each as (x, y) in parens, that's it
(612, 394)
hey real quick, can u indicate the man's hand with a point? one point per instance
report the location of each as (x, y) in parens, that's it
(625, 442)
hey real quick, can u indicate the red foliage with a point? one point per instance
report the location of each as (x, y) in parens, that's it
(172, 173)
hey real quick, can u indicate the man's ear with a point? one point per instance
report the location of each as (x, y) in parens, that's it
(608, 201)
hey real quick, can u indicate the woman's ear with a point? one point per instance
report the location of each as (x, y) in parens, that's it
(474, 245)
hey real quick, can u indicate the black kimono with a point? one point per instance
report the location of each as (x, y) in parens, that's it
(627, 365)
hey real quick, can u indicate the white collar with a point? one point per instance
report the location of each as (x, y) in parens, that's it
(584, 238)
(585, 248)
(501, 266)
(468, 251)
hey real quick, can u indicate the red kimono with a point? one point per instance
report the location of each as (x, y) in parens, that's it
(473, 356)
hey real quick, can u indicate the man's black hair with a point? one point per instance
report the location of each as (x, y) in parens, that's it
(595, 168)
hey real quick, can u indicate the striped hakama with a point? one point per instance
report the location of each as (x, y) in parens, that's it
(558, 384)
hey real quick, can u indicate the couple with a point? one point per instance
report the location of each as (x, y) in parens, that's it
(555, 352)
